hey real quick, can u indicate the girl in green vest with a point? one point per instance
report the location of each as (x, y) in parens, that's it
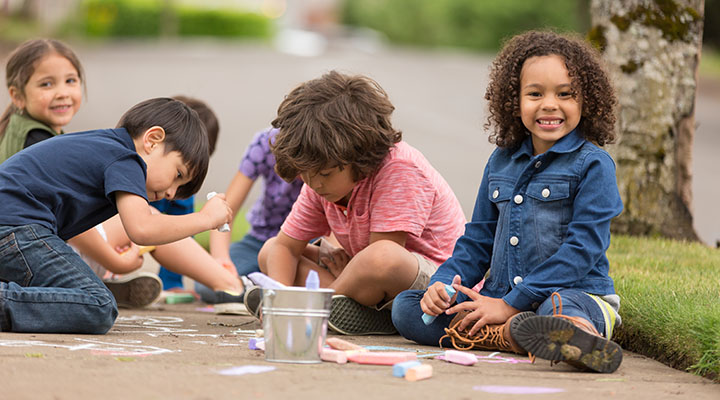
(45, 82)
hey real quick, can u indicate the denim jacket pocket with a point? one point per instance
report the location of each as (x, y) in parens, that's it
(13, 267)
(499, 192)
(551, 212)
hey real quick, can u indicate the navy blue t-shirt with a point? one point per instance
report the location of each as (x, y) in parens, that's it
(66, 183)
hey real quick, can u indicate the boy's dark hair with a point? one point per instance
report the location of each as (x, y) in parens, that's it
(589, 80)
(21, 65)
(184, 132)
(335, 120)
(207, 116)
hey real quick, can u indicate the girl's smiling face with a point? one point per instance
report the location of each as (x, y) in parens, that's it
(53, 94)
(549, 106)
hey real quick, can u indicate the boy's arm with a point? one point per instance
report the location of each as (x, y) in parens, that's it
(236, 193)
(91, 244)
(283, 258)
(147, 228)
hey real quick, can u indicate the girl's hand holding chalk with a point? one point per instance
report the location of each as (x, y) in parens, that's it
(225, 227)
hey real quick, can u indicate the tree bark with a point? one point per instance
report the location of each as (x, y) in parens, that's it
(652, 49)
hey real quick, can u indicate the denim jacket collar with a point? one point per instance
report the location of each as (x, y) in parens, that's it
(567, 144)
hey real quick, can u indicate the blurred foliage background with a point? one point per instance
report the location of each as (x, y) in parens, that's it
(468, 24)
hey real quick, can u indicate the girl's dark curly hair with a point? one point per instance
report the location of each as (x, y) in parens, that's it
(589, 80)
(335, 120)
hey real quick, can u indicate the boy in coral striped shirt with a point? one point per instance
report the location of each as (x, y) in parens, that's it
(392, 214)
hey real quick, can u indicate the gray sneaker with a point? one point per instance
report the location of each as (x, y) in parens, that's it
(135, 290)
(348, 317)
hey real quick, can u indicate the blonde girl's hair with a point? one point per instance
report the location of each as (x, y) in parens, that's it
(21, 66)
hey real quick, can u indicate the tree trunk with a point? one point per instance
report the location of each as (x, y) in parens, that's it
(652, 49)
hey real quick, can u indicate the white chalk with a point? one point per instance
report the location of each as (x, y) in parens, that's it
(460, 357)
(400, 369)
(422, 371)
(225, 227)
(332, 355)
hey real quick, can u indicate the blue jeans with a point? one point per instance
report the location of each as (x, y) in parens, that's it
(45, 286)
(244, 254)
(407, 315)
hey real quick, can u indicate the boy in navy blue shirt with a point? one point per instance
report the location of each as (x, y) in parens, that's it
(63, 186)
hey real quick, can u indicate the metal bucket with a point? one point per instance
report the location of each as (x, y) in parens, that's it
(295, 323)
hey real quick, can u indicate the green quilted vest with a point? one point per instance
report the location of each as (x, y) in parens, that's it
(16, 132)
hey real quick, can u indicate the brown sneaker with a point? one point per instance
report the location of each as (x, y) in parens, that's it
(571, 339)
(489, 337)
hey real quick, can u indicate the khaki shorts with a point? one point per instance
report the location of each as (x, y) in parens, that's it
(426, 269)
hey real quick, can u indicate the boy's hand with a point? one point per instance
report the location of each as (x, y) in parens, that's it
(436, 300)
(217, 211)
(130, 257)
(484, 310)
(334, 258)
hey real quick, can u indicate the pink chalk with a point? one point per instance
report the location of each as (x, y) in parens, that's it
(460, 357)
(422, 371)
(382, 357)
(339, 344)
(332, 355)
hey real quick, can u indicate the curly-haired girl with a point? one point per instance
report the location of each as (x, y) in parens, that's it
(541, 223)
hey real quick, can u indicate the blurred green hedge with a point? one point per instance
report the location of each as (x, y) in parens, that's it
(474, 24)
(148, 18)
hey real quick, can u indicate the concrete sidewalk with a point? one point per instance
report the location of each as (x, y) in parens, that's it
(180, 352)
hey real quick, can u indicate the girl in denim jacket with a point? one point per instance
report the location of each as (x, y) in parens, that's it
(541, 224)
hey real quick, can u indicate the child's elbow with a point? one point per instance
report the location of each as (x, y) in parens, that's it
(140, 235)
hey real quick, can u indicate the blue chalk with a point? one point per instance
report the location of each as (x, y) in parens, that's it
(427, 318)
(399, 369)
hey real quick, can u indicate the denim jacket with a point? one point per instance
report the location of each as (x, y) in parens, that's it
(540, 223)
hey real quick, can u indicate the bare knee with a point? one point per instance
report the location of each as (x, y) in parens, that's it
(263, 254)
(383, 258)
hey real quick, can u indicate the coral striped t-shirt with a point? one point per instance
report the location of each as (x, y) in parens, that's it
(406, 194)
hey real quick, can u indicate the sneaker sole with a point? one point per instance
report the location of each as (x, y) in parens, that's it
(349, 317)
(135, 292)
(254, 310)
(556, 339)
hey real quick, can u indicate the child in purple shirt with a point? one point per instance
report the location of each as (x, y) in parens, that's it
(266, 215)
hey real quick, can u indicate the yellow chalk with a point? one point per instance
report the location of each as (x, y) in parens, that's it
(143, 250)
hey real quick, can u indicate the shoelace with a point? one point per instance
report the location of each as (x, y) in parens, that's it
(493, 335)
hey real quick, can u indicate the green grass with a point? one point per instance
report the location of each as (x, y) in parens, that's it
(670, 301)
(710, 63)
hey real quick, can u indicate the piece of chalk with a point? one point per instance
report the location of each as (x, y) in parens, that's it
(259, 333)
(253, 343)
(427, 318)
(340, 344)
(312, 282)
(422, 371)
(142, 250)
(460, 357)
(332, 355)
(225, 227)
(382, 357)
(400, 369)
(176, 298)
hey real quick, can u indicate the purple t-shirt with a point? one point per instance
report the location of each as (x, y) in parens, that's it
(278, 196)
